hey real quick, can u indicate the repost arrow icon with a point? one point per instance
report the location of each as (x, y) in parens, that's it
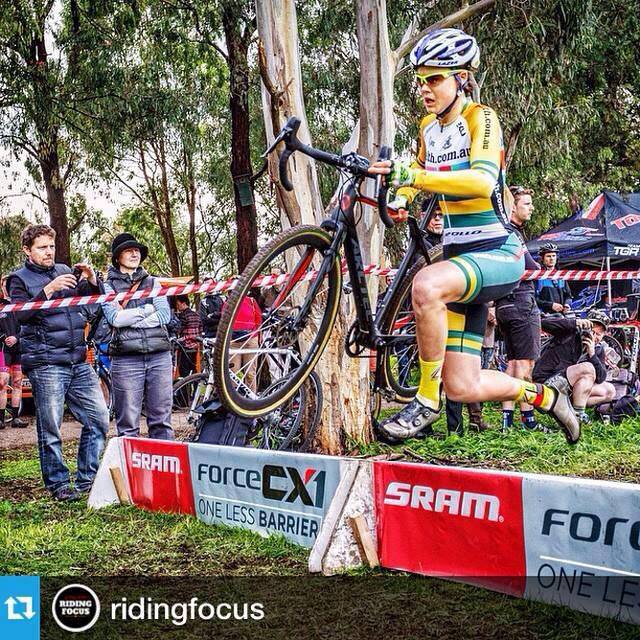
(29, 612)
(11, 613)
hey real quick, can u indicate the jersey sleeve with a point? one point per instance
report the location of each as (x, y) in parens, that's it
(485, 159)
(410, 193)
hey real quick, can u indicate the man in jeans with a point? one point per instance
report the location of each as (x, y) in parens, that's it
(53, 357)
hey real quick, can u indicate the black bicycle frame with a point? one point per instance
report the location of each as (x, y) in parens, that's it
(343, 225)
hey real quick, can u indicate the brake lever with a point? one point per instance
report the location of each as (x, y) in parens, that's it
(382, 188)
(281, 136)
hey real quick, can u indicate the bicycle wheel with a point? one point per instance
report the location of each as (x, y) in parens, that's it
(107, 392)
(293, 425)
(258, 368)
(187, 392)
(401, 364)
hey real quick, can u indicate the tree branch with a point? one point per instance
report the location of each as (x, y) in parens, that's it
(458, 16)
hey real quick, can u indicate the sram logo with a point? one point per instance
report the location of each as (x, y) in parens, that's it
(155, 462)
(456, 503)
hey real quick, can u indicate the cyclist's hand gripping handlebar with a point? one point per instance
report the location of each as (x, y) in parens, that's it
(382, 188)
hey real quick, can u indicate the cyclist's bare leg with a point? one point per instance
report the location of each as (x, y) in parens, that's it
(465, 381)
(433, 288)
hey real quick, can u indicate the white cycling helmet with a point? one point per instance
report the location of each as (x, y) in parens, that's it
(447, 48)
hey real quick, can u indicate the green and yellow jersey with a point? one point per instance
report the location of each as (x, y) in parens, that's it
(463, 162)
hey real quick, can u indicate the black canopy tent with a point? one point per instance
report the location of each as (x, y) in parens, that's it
(605, 235)
(608, 228)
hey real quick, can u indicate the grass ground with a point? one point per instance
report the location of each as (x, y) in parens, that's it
(40, 537)
(605, 451)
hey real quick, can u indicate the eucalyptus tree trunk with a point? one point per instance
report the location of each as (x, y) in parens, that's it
(345, 381)
(283, 97)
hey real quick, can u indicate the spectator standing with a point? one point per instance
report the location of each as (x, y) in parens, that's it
(518, 315)
(53, 354)
(190, 331)
(210, 312)
(10, 368)
(141, 370)
(553, 296)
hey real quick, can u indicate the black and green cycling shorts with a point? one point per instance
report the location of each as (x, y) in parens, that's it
(492, 270)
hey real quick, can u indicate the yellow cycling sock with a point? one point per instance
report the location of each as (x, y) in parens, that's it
(538, 395)
(429, 389)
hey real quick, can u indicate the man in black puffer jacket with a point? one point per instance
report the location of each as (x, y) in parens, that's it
(53, 357)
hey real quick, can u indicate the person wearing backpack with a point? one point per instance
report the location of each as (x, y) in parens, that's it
(141, 369)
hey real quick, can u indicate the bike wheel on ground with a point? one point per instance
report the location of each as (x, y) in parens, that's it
(293, 425)
(187, 392)
(257, 367)
(400, 359)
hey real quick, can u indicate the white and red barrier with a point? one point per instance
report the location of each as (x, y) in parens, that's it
(268, 492)
(277, 280)
(567, 541)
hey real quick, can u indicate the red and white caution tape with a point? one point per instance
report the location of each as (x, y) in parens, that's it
(276, 280)
(578, 275)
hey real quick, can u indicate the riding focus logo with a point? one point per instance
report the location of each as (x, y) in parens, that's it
(75, 608)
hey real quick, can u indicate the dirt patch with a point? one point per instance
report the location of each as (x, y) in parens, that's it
(71, 430)
(22, 490)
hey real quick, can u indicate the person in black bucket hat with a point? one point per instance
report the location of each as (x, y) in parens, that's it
(126, 241)
(141, 368)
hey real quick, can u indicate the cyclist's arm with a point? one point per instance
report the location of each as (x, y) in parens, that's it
(480, 179)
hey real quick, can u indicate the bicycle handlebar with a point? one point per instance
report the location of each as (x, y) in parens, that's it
(355, 164)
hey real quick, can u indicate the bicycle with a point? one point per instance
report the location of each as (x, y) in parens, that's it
(303, 312)
(100, 354)
(292, 427)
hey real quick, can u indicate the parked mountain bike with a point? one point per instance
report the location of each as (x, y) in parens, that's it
(102, 367)
(291, 427)
(304, 304)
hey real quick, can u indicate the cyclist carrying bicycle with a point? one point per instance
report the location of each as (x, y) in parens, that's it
(461, 159)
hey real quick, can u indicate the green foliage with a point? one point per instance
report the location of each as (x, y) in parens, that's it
(11, 255)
